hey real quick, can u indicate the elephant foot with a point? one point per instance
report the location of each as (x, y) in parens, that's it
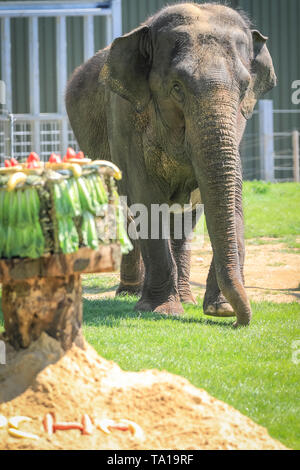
(185, 293)
(143, 306)
(123, 290)
(216, 305)
(187, 298)
(240, 325)
(222, 309)
(171, 307)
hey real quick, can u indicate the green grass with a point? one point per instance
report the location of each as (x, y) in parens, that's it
(272, 210)
(250, 368)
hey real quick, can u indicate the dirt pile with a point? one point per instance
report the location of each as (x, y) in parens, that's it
(173, 413)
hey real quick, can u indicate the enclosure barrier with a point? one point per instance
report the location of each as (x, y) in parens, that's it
(269, 155)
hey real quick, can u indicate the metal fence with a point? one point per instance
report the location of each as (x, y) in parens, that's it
(18, 135)
(267, 154)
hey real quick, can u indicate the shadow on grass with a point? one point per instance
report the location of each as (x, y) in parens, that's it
(290, 291)
(110, 312)
(98, 290)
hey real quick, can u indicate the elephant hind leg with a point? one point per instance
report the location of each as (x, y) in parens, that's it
(132, 273)
(182, 256)
(132, 268)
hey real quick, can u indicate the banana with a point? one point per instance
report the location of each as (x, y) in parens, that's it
(22, 434)
(74, 167)
(104, 425)
(63, 236)
(123, 238)
(72, 235)
(74, 196)
(89, 231)
(85, 198)
(2, 248)
(67, 200)
(93, 194)
(21, 220)
(9, 242)
(67, 235)
(114, 170)
(134, 428)
(80, 161)
(58, 199)
(35, 203)
(27, 241)
(13, 213)
(101, 193)
(15, 421)
(15, 179)
(40, 240)
(11, 169)
(8, 197)
(2, 196)
(26, 207)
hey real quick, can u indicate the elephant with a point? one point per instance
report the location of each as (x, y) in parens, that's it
(168, 103)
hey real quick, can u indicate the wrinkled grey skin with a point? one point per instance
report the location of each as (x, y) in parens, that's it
(168, 104)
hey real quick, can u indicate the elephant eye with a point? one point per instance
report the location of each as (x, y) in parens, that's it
(177, 92)
(243, 49)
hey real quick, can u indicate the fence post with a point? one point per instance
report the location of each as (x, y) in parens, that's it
(296, 156)
(34, 80)
(61, 76)
(88, 37)
(5, 50)
(266, 138)
(116, 7)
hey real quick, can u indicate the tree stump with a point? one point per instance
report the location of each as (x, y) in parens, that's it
(45, 294)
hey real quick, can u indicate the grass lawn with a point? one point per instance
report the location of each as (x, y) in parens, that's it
(272, 211)
(251, 368)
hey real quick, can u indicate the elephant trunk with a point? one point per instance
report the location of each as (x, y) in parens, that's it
(213, 145)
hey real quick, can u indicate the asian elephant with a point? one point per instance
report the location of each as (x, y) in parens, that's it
(168, 104)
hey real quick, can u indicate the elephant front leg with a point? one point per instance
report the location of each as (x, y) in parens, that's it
(160, 292)
(215, 304)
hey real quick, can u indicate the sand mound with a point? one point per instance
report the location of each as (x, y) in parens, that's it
(173, 413)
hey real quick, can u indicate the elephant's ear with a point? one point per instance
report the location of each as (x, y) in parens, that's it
(263, 77)
(127, 67)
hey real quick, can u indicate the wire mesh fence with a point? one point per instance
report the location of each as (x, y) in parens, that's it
(22, 139)
(52, 139)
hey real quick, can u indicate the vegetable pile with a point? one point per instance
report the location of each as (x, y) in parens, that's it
(59, 206)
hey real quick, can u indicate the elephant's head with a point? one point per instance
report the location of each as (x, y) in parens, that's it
(202, 69)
